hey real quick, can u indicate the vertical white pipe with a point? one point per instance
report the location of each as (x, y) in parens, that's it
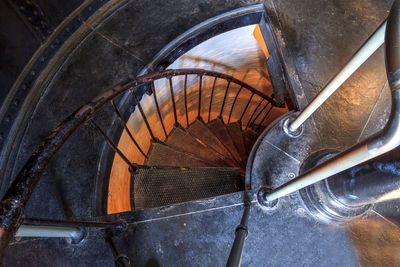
(365, 51)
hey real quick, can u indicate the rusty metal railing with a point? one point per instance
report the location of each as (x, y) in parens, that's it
(13, 204)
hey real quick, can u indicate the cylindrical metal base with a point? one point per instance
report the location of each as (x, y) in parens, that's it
(368, 183)
(319, 199)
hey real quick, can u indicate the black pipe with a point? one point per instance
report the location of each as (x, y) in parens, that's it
(235, 257)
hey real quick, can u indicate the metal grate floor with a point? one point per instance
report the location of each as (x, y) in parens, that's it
(162, 186)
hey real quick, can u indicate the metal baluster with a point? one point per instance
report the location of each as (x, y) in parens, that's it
(144, 116)
(153, 89)
(127, 129)
(245, 108)
(199, 108)
(234, 102)
(186, 109)
(211, 98)
(132, 189)
(171, 89)
(223, 101)
(265, 116)
(111, 144)
(258, 115)
(252, 115)
(121, 260)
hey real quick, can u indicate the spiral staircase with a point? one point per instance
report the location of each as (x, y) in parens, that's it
(163, 167)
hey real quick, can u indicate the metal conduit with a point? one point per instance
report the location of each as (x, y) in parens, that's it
(363, 53)
(387, 140)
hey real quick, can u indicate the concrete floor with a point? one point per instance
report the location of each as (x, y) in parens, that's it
(317, 37)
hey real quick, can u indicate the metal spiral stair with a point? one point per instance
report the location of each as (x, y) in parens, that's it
(194, 163)
(204, 160)
(176, 174)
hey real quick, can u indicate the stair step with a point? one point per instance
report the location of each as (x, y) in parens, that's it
(162, 154)
(179, 137)
(221, 132)
(155, 186)
(199, 130)
(235, 131)
(260, 130)
(249, 138)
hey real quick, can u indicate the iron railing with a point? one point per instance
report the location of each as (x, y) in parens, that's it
(13, 204)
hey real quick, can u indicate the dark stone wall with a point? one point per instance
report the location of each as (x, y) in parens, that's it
(24, 26)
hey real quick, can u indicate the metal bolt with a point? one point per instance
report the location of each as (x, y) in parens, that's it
(262, 199)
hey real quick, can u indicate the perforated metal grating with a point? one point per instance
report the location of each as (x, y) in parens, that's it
(162, 186)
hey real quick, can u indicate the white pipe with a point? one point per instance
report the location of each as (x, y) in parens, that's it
(325, 170)
(47, 231)
(380, 144)
(365, 51)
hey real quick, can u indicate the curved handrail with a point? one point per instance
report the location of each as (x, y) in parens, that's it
(387, 140)
(13, 204)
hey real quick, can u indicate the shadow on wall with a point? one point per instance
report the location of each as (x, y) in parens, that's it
(377, 242)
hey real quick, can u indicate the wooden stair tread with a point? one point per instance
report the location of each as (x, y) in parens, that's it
(235, 131)
(249, 138)
(179, 137)
(199, 130)
(163, 155)
(218, 128)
